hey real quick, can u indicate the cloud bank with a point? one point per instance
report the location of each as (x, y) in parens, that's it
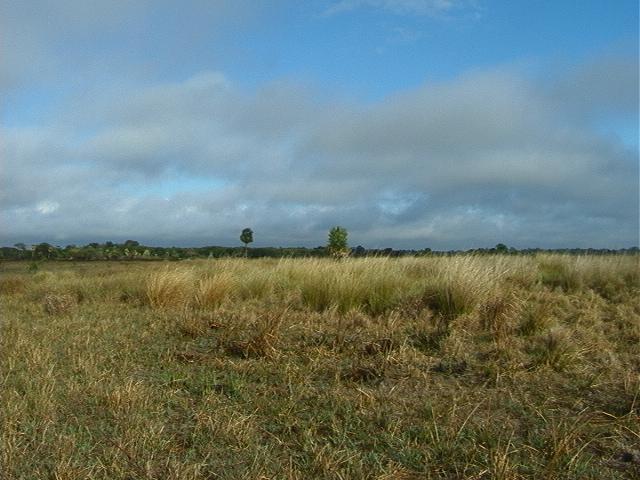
(489, 156)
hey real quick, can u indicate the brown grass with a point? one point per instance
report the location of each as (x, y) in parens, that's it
(56, 304)
(12, 285)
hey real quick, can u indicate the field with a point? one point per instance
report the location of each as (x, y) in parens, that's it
(478, 367)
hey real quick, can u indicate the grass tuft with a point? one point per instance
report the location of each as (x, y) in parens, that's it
(57, 304)
(212, 291)
(170, 288)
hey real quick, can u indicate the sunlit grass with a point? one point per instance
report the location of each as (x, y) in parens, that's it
(438, 367)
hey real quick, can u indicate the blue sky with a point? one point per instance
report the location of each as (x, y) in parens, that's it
(413, 123)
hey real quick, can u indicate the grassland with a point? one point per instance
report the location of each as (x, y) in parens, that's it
(488, 367)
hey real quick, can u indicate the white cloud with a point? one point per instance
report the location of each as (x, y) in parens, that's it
(47, 207)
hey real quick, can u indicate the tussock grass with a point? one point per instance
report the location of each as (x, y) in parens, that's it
(499, 311)
(170, 288)
(604, 275)
(211, 291)
(458, 285)
(56, 304)
(458, 367)
(372, 285)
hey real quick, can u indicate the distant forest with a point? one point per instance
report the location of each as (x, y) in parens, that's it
(133, 250)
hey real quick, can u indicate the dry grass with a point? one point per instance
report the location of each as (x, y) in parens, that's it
(12, 284)
(170, 288)
(56, 304)
(211, 291)
(461, 367)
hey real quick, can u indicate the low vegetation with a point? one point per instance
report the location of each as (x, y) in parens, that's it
(478, 367)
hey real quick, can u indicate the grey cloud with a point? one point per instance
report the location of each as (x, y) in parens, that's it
(488, 131)
(603, 85)
(30, 32)
(484, 107)
(42, 40)
(484, 158)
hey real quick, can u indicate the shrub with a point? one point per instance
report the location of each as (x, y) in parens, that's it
(337, 243)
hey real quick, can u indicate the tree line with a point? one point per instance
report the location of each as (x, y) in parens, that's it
(336, 246)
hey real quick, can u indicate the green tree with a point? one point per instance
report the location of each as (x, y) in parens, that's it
(337, 244)
(246, 237)
(44, 250)
(501, 248)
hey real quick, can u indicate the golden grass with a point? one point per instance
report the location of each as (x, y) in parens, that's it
(211, 291)
(170, 288)
(445, 367)
(55, 304)
(12, 284)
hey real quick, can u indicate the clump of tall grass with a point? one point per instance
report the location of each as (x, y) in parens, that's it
(57, 304)
(263, 338)
(605, 275)
(372, 285)
(522, 272)
(316, 289)
(535, 314)
(559, 272)
(256, 284)
(498, 313)
(459, 284)
(555, 349)
(192, 323)
(212, 291)
(170, 288)
(608, 276)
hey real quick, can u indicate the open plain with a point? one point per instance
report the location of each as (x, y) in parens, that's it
(479, 367)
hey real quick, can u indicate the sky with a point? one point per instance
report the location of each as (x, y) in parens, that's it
(447, 124)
